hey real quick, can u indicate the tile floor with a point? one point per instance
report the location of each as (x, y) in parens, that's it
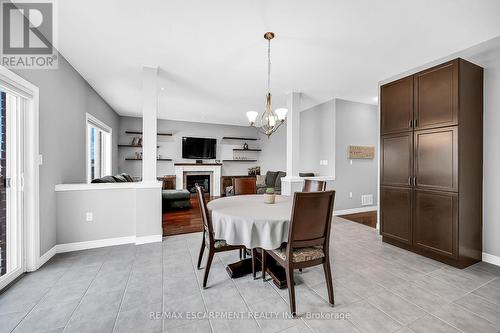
(378, 288)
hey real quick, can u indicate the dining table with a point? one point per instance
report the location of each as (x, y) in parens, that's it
(248, 220)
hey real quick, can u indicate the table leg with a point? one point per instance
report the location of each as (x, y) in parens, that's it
(244, 267)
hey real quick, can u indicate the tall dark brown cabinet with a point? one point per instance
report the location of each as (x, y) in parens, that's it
(432, 162)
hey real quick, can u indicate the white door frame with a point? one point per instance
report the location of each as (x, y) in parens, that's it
(32, 161)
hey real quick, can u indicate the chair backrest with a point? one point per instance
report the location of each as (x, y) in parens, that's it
(205, 216)
(243, 186)
(311, 185)
(311, 219)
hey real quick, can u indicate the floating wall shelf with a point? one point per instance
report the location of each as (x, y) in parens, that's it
(140, 159)
(140, 133)
(239, 160)
(249, 149)
(133, 146)
(238, 138)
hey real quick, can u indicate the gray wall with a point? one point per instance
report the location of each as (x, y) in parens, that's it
(490, 60)
(356, 124)
(123, 212)
(317, 138)
(171, 147)
(65, 97)
(273, 155)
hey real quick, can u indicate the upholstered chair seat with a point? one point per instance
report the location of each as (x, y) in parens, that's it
(301, 254)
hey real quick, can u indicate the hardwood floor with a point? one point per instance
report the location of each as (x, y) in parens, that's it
(183, 221)
(367, 218)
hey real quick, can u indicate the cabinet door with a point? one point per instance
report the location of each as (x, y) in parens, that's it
(435, 222)
(436, 159)
(396, 160)
(436, 96)
(396, 213)
(396, 104)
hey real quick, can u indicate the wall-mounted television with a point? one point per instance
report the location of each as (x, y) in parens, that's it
(199, 148)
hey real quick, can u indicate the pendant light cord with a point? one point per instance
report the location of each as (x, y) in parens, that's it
(268, 66)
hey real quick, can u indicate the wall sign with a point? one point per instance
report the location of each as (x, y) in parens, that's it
(361, 152)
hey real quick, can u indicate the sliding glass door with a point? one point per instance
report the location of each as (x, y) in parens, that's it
(11, 185)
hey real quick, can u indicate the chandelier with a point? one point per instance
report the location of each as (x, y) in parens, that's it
(270, 120)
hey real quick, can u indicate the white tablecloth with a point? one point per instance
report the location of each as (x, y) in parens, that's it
(248, 220)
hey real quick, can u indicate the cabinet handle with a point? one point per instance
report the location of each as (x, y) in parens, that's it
(409, 181)
(410, 123)
(414, 181)
(415, 123)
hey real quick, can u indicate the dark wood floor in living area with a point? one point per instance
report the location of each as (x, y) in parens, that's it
(366, 218)
(183, 221)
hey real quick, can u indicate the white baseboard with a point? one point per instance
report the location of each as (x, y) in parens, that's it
(148, 239)
(46, 257)
(355, 210)
(77, 246)
(491, 259)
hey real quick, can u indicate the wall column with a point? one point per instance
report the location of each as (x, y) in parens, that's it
(149, 122)
(292, 182)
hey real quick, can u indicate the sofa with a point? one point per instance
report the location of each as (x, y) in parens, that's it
(272, 179)
(121, 178)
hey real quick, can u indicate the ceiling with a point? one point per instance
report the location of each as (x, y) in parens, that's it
(212, 54)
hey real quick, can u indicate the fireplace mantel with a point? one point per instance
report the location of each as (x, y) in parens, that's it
(184, 168)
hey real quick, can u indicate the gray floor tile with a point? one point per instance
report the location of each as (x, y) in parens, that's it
(141, 295)
(419, 296)
(464, 320)
(361, 285)
(141, 319)
(368, 318)
(47, 316)
(279, 318)
(106, 282)
(465, 280)
(490, 291)
(432, 324)
(196, 326)
(254, 291)
(481, 307)
(184, 309)
(235, 325)
(396, 307)
(10, 320)
(342, 295)
(443, 289)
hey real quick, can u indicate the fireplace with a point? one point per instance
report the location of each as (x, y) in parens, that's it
(207, 170)
(202, 179)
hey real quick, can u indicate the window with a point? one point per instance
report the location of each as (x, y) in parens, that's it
(98, 149)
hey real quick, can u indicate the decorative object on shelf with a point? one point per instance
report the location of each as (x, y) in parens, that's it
(245, 146)
(361, 152)
(199, 161)
(217, 162)
(270, 120)
(254, 171)
(137, 156)
(139, 141)
(135, 141)
(269, 196)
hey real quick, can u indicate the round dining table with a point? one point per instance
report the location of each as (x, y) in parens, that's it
(247, 220)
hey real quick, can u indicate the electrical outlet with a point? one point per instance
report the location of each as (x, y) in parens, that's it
(350, 195)
(89, 217)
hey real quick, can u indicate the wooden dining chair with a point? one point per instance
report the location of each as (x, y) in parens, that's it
(242, 186)
(308, 243)
(214, 245)
(311, 185)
